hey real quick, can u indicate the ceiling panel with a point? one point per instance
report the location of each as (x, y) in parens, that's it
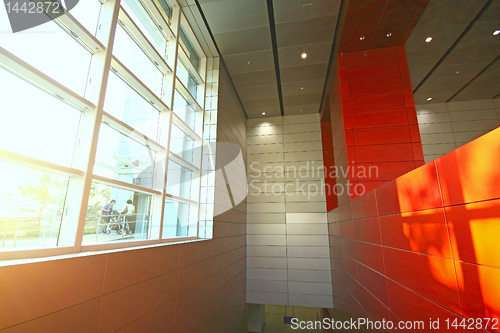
(442, 38)
(294, 10)
(261, 60)
(449, 12)
(242, 41)
(484, 86)
(254, 78)
(236, 15)
(257, 113)
(301, 99)
(256, 92)
(302, 109)
(316, 53)
(306, 31)
(309, 87)
(255, 104)
(302, 73)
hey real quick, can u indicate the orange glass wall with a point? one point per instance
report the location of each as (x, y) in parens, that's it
(425, 245)
(380, 121)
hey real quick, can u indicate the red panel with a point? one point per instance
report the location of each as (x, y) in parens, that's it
(372, 57)
(373, 71)
(401, 52)
(384, 153)
(415, 133)
(365, 206)
(371, 185)
(349, 139)
(374, 87)
(384, 171)
(419, 189)
(377, 102)
(431, 277)
(382, 135)
(367, 230)
(412, 307)
(347, 229)
(423, 232)
(418, 152)
(388, 199)
(344, 89)
(370, 255)
(351, 266)
(348, 247)
(342, 74)
(480, 292)
(471, 173)
(409, 101)
(475, 229)
(403, 67)
(406, 83)
(379, 118)
(374, 283)
(347, 121)
(412, 116)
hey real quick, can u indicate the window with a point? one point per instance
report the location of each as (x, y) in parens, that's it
(22, 119)
(121, 158)
(181, 144)
(127, 51)
(69, 118)
(143, 20)
(189, 49)
(127, 105)
(31, 207)
(116, 214)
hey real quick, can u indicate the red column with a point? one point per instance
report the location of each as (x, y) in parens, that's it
(380, 122)
(329, 164)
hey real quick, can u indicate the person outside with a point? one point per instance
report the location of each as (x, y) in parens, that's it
(128, 212)
(106, 212)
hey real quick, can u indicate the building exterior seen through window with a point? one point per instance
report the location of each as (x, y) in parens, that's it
(101, 143)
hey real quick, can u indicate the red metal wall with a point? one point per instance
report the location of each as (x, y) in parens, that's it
(329, 164)
(425, 245)
(379, 116)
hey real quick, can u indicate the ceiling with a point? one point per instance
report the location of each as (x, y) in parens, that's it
(261, 42)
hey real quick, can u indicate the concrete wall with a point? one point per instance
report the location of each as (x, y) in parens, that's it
(446, 126)
(287, 242)
(181, 288)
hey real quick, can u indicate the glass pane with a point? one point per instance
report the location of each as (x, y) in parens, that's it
(115, 214)
(127, 105)
(167, 11)
(31, 206)
(184, 110)
(176, 219)
(181, 144)
(188, 47)
(87, 13)
(142, 19)
(128, 53)
(53, 123)
(51, 50)
(179, 180)
(121, 158)
(186, 79)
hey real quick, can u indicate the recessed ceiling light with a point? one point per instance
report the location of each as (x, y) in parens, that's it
(428, 39)
(458, 72)
(303, 55)
(301, 88)
(249, 63)
(496, 32)
(300, 110)
(429, 99)
(306, 3)
(389, 34)
(362, 37)
(263, 113)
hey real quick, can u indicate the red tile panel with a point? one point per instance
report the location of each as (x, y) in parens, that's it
(355, 73)
(379, 118)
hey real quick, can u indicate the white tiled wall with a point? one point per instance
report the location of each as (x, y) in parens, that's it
(447, 126)
(288, 258)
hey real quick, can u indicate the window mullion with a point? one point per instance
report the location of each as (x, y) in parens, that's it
(74, 222)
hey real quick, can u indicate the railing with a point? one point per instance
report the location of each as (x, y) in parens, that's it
(115, 225)
(29, 228)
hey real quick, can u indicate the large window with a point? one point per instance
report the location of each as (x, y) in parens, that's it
(93, 154)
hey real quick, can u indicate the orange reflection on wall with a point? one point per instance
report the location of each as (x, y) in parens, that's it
(419, 189)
